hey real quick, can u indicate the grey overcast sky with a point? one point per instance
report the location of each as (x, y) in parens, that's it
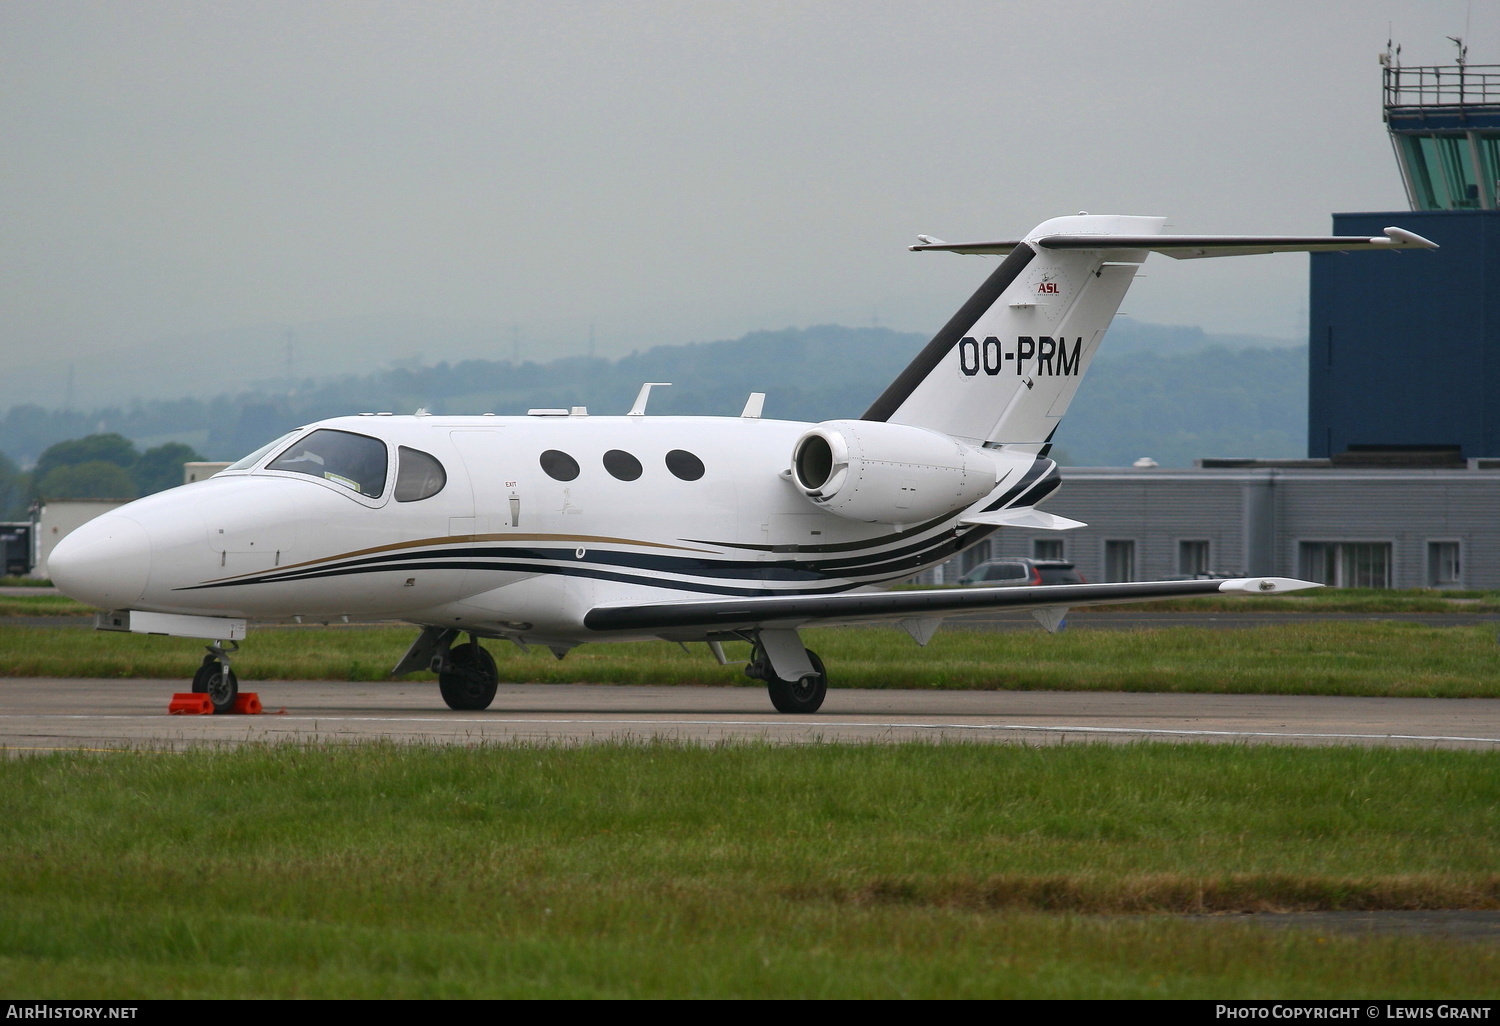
(665, 171)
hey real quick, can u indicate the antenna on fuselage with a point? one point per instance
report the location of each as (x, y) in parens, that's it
(639, 409)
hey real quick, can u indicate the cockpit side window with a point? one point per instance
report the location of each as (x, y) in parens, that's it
(418, 475)
(358, 462)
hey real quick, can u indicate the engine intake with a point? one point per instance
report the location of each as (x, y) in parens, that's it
(888, 473)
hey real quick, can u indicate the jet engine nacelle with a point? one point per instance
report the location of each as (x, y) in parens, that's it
(888, 473)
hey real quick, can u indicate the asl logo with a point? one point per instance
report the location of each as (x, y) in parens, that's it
(1047, 288)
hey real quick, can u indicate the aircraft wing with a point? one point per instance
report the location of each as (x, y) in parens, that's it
(1192, 247)
(791, 612)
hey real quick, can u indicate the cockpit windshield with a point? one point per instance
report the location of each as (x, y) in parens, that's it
(246, 462)
(358, 462)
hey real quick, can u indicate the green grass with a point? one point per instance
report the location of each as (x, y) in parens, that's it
(1323, 658)
(24, 582)
(664, 870)
(42, 605)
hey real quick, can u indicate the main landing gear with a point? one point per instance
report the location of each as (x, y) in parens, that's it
(794, 676)
(467, 675)
(216, 680)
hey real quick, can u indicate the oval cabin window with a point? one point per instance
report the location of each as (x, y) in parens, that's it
(559, 465)
(622, 465)
(684, 465)
(418, 475)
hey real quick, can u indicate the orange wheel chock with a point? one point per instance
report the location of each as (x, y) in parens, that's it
(190, 704)
(248, 703)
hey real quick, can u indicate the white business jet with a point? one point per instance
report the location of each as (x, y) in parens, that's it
(560, 528)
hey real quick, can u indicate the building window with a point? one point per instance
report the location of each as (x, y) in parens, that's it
(1047, 548)
(973, 557)
(1443, 567)
(1347, 564)
(1192, 557)
(1119, 561)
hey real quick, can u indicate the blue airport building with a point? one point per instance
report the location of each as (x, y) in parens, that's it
(1404, 353)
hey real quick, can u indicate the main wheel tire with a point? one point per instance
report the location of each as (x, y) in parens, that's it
(800, 696)
(470, 685)
(220, 687)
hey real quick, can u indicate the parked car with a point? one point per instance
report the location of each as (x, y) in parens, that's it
(1017, 571)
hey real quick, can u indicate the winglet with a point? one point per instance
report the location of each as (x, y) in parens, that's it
(1266, 585)
(1401, 237)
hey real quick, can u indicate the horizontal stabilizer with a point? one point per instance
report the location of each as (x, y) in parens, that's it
(1023, 517)
(715, 616)
(1192, 247)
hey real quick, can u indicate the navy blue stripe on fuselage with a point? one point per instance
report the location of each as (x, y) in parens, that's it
(874, 568)
(1039, 467)
(569, 570)
(792, 568)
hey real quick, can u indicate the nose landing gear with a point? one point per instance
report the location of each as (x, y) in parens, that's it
(216, 680)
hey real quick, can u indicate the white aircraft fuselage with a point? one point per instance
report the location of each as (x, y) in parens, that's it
(503, 548)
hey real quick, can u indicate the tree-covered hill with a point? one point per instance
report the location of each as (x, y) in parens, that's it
(1170, 393)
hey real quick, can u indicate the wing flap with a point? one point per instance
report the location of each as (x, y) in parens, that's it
(716, 615)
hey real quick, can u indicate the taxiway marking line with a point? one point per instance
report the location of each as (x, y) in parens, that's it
(1037, 728)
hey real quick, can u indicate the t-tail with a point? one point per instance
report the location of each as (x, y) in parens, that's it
(1004, 369)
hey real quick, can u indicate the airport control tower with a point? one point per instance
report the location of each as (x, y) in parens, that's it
(1405, 353)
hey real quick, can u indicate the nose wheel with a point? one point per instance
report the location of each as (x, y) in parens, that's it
(216, 680)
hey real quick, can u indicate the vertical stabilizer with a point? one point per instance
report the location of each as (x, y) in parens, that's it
(1005, 367)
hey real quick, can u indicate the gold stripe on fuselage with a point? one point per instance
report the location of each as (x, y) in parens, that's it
(460, 539)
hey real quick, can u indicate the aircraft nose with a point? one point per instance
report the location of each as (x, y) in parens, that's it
(105, 562)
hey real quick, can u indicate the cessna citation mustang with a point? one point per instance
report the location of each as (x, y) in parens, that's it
(560, 528)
